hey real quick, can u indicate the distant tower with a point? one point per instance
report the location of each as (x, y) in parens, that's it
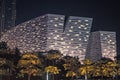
(101, 44)
(7, 14)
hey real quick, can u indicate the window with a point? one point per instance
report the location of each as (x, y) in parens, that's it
(61, 38)
(71, 27)
(51, 20)
(79, 39)
(79, 20)
(60, 24)
(55, 30)
(76, 34)
(68, 34)
(56, 18)
(75, 22)
(82, 25)
(86, 24)
(86, 20)
(79, 27)
(70, 31)
(69, 20)
(55, 25)
(58, 35)
(55, 37)
(61, 18)
(51, 33)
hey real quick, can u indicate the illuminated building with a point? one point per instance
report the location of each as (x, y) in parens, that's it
(76, 36)
(7, 14)
(101, 44)
(50, 32)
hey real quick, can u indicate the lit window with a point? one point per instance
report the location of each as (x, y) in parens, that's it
(70, 31)
(33, 24)
(49, 38)
(82, 25)
(108, 35)
(67, 46)
(75, 22)
(87, 35)
(60, 49)
(68, 34)
(71, 39)
(70, 20)
(113, 42)
(58, 35)
(51, 33)
(60, 24)
(101, 34)
(87, 24)
(79, 27)
(62, 18)
(51, 46)
(76, 47)
(51, 20)
(56, 18)
(79, 39)
(55, 43)
(72, 52)
(42, 28)
(71, 27)
(86, 20)
(61, 38)
(55, 30)
(79, 20)
(85, 28)
(76, 34)
(55, 37)
(87, 31)
(64, 47)
(63, 43)
(55, 25)
(80, 45)
(44, 25)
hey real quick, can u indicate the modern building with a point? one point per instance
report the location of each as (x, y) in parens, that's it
(101, 44)
(51, 32)
(7, 15)
(77, 32)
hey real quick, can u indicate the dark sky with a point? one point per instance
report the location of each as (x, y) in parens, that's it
(105, 13)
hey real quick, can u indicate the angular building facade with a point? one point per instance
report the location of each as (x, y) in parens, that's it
(101, 44)
(51, 32)
(7, 15)
(77, 32)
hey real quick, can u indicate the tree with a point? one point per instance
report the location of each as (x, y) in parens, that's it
(29, 64)
(71, 66)
(53, 56)
(86, 69)
(105, 68)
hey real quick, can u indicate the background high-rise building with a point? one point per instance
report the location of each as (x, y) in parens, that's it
(7, 14)
(101, 44)
(51, 32)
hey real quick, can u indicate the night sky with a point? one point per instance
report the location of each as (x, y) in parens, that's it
(105, 13)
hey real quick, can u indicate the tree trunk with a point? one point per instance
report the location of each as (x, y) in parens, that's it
(29, 76)
(47, 76)
(85, 76)
(52, 76)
